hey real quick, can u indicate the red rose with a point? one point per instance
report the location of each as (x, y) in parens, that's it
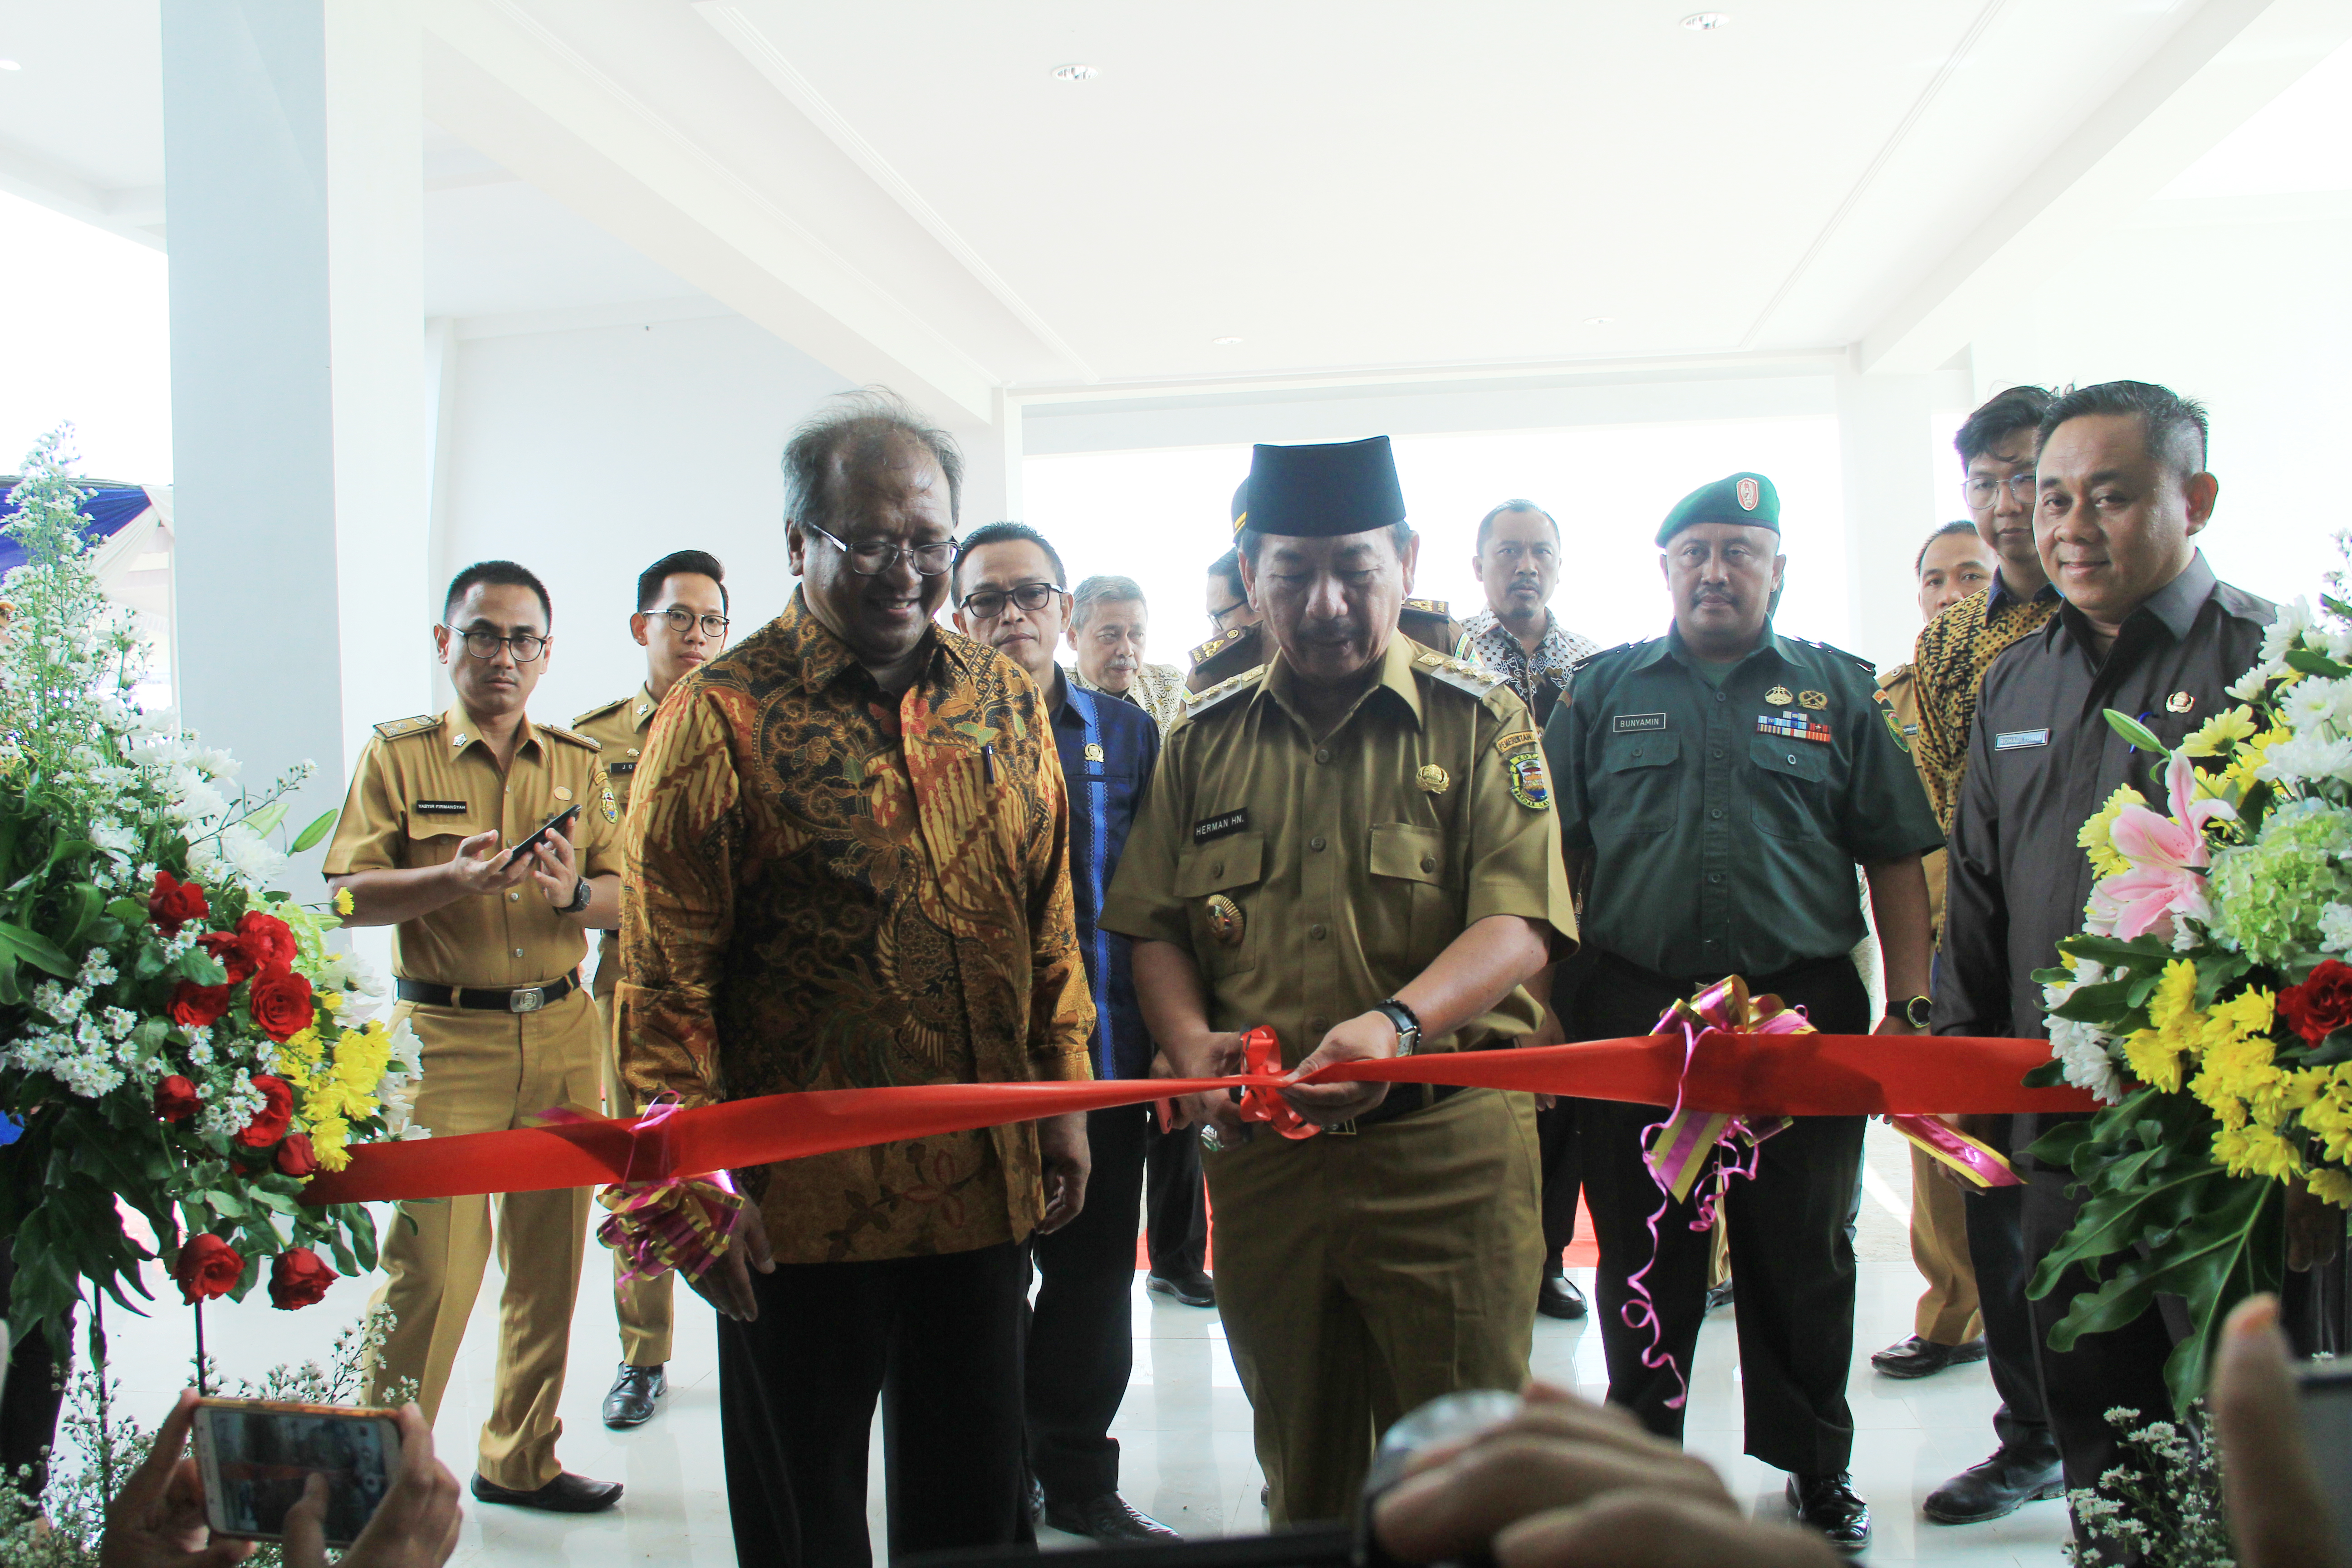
(267, 939)
(231, 952)
(175, 1099)
(298, 1277)
(281, 1002)
(208, 1266)
(296, 1157)
(268, 1123)
(2321, 1004)
(175, 903)
(195, 1007)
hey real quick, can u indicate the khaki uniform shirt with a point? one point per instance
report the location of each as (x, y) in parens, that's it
(423, 785)
(1899, 696)
(619, 726)
(1310, 877)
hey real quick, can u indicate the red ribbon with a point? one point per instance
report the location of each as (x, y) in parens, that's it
(1758, 1075)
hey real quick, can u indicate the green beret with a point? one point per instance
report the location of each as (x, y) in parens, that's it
(1744, 501)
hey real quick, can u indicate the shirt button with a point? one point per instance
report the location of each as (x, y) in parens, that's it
(1716, 753)
(518, 952)
(514, 897)
(1314, 931)
(1715, 876)
(1319, 1027)
(1322, 753)
(1717, 814)
(1217, 868)
(1792, 758)
(1429, 862)
(1315, 842)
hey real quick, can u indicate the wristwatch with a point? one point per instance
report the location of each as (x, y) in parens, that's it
(1407, 1022)
(580, 893)
(1914, 1011)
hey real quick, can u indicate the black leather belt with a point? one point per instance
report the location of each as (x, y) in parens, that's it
(1403, 1100)
(489, 998)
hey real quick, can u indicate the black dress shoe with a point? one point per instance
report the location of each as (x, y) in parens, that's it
(2017, 1474)
(1194, 1290)
(1109, 1519)
(1830, 1505)
(630, 1401)
(567, 1494)
(1916, 1357)
(1559, 1298)
(1718, 1296)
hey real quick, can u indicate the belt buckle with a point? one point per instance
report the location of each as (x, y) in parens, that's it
(526, 998)
(1346, 1129)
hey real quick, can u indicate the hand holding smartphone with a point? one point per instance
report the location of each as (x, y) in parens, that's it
(256, 1456)
(555, 824)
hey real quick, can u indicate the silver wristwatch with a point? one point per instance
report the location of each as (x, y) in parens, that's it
(1407, 1022)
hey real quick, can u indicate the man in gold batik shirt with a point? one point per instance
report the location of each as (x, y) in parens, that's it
(848, 867)
(680, 621)
(487, 959)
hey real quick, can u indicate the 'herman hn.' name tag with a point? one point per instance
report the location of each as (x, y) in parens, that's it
(1634, 723)
(1220, 825)
(2018, 740)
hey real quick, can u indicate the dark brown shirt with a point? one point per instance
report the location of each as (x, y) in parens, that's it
(2043, 758)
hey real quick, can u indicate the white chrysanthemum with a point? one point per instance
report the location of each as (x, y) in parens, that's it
(2084, 1059)
(406, 1050)
(95, 970)
(2336, 927)
(2292, 629)
(2307, 756)
(2311, 702)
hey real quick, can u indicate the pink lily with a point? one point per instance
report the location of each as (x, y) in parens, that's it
(2167, 855)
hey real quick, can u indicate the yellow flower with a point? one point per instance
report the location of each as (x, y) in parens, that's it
(328, 1137)
(333, 1001)
(2093, 836)
(2249, 755)
(2332, 1186)
(2256, 1151)
(2153, 1061)
(2214, 737)
(343, 901)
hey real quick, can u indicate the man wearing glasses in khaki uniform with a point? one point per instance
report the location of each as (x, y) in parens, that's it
(486, 955)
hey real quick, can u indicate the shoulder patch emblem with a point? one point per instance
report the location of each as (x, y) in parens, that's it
(1896, 727)
(393, 729)
(1530, 786)
(611, 807)
(1517, 738)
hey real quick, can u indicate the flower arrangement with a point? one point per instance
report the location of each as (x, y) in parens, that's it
(2208, 1002)
(173, 1034)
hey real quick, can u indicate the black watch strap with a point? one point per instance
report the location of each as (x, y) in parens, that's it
(1916, 1011)
(1407, 1022)
(580, 893)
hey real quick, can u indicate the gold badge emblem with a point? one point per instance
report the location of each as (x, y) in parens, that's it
(562, 792)
(2180, 702)
(1814, 700)
(1094, 752)
(1780, 697)
(1432, 778)
(1224, 920)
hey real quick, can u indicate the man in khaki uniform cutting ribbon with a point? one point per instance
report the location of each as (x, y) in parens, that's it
(681, 622)
(486, 957)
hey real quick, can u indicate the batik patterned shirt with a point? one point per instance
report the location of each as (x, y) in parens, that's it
(1487, 643)
(1947, 670)
(831, 888)
(1157, 689)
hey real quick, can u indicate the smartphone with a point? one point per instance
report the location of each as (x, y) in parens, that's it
(2326, 1390)
(549, 825)
(256, 1455)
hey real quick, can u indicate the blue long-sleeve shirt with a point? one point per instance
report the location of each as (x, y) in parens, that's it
(1110, 749)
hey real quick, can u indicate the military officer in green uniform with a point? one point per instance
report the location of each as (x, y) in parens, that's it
(681, 623)
(1354, 844)
(1717, 786)
(1243, 647)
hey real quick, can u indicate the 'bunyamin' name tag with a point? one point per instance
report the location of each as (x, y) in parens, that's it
(2018, 740)
(1634, 723)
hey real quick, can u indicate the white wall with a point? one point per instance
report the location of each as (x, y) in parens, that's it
(588, 455)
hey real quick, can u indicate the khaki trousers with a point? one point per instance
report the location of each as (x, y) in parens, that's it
(1940, 1246)
(485, 1072)
(644, 1307)
(1360, 1275)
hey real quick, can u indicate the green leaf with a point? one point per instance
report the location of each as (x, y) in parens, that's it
(130, 912)
(2318, 664)
(78, 904)
(2138, 734)
(2138, 952)
(2097, 1003)
(2050, 1074)
(266, 819)
(31, 947)
(318, 830)
(201, 967)
(226, 1205)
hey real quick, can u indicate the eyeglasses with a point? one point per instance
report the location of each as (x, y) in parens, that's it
(988, 604)
(873, 557)
(1978, 490)
(486, 645)
(682, 622)
(1217, 618)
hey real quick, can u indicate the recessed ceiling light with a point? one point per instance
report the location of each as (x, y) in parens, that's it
(1706, 21)
(10, 65)
(1074, 71)
(1598, 320)
(1224, 342)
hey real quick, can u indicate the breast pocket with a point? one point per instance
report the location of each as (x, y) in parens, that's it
(1792, 795)
(434, 837)
(1218, 883)
(1413, 911)
(1641, 777)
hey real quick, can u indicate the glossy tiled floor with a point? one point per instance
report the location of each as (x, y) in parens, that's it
(1185, 1427)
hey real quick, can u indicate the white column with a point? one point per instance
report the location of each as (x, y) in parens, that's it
(294, 182)
(1886, 449)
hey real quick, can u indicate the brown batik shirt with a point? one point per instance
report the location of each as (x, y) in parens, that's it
(829, 888)
(1947, 668)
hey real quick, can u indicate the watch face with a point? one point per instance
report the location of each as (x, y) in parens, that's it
(1917, 1011)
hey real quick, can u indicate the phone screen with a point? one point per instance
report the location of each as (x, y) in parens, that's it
(2326, 1390)
(256, 1456)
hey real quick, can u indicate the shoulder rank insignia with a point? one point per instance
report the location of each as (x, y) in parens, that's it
(1217, 645)
(1426, 606)
(598, 712)
(1462, 677)
(1530, 786)
(393, 729)
(1199, 703)
(560, 734)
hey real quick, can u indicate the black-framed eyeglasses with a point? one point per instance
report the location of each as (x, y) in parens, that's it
(683, 621)
(872, 557)
(527, 645)
(989, 603)
(1978, 490)
(1217, 618)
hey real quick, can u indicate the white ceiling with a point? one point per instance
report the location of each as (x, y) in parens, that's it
(1349, 187)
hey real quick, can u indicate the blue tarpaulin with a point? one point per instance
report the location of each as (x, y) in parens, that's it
(108, 506)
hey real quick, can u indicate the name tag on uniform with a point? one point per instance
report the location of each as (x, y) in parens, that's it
(1218, 827)
(1635, 723)
(620, 770)
(450, 806)
(2018, 740)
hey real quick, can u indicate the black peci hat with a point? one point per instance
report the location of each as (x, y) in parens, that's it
(1323, 492)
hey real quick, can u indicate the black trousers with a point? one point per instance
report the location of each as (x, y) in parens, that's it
(1081, 1323)
(1176, 1201)
(1789, 1249)
(1996, 1222)
(1563, 1178)
(938, 1339)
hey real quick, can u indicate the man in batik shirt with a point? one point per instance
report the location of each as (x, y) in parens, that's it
(849, 865)
(1517, 637)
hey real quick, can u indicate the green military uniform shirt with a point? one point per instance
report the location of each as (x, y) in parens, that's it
(1724, 821)
(1310, 878)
